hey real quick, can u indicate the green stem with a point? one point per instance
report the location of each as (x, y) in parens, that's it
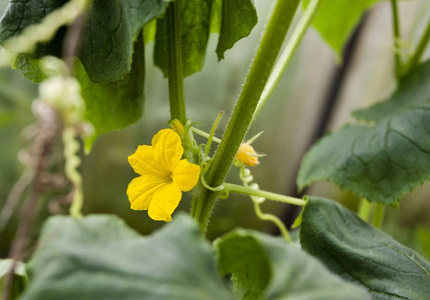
(240, 121)
(234, 188)
(274, 219)
(378, 215)
(205, 134)
(414, 60)
(396, 33)
(364, 210)
(174, 64)
(288, 53)
(211, 135)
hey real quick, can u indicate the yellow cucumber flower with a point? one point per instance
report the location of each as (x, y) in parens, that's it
(163, 176)
(247, 155)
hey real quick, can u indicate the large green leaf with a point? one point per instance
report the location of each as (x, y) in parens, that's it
(99, 257)
(232, 19)
(107, 41)
(413, 91)
(112, 106)
(265, 267)
(336, 20)
(19, 280)
(363, 254)
(384, 161)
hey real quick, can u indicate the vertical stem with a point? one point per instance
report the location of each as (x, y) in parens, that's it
(174, 64)
(288, 53)
(256, 80)
(396, 34)
(419, 51)
(364, 210)
(378, 215)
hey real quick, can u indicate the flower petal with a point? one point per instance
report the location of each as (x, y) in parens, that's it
(141, 190)
(186, 175)
(143, 162)
(168, 148)
(164, 202)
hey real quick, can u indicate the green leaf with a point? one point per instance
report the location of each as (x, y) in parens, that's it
(363, 254)
(113, 106)
(379, 162)
(19, 280)
(107, 40)
(336, 20)
(413, 91)
(266, 267)
(238, 19)
(232, 19)
(99, 257)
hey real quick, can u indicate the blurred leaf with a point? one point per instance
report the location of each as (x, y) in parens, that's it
(413, 91)
(362, 254)
(384, 161)
(238, 19)
(114, 105)
(336, 20)
(265, 267)
(107, 41)
(28, 66)
(19, 281)
(423, 237)
(99, 257)
(232, 19)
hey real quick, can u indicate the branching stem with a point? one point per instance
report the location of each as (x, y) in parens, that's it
(240, 121)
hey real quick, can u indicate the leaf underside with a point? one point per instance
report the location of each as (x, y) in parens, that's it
(337, 19)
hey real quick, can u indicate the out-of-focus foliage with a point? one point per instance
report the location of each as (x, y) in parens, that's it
(265, 267)
(337, 19)
(384, 161)
(107, 260)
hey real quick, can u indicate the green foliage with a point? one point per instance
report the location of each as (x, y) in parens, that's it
(118, 104)
(20, 278)
(337, 19)
(384, 161)
(99, 257)
(233, 20)
(238, 19)
(107, 40)
(362, 254)
(265, 267)
(413, 92)
(28, 66)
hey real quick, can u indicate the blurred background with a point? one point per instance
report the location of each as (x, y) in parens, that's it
(316, 95)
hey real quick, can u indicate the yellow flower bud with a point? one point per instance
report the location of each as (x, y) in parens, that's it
(247, 155)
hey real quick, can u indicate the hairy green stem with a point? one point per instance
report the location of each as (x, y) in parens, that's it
(396, 34)
(238, 125)
(422, 44)
(234, 188)
(364, 210)
(174, 64)
(288, 53)
(212, 133)
(274, 219)
(378, 215)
